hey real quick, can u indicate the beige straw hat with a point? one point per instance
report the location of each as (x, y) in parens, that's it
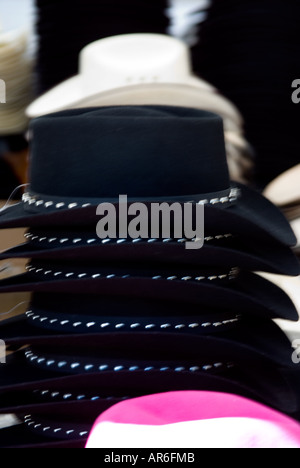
(16, 80)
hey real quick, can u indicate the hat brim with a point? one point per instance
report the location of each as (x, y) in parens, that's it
(275, 258)
(248, 292)
(19, 437)
(41, 324)
(252, 216)
(48, 314)
(73, 93)
(188, 94)
(13, 390)
(250, 334)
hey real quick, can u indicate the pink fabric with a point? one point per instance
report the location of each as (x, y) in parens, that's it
(180, 407)
(174, 407)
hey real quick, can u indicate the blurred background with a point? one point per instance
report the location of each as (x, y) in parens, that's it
(248, 50)
(17, 58)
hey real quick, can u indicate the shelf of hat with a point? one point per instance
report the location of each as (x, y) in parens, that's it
(8, 420)
(9, 238)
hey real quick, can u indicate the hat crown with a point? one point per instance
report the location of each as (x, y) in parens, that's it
(141, 152)
(133, 59)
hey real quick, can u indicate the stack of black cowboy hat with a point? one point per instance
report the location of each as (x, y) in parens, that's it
(112, 319)
(250, 51)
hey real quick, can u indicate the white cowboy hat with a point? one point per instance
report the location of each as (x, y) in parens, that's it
(116, 64)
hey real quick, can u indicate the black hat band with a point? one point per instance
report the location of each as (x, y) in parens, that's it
(88, 324)
(88, 365)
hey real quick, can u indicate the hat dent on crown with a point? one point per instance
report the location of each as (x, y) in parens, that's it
(133, 58)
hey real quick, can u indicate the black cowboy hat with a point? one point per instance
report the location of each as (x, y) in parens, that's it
(53, 318)
(49, 314)
(151, 154)
(209, 286)
(250, 334)
(219, 249)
